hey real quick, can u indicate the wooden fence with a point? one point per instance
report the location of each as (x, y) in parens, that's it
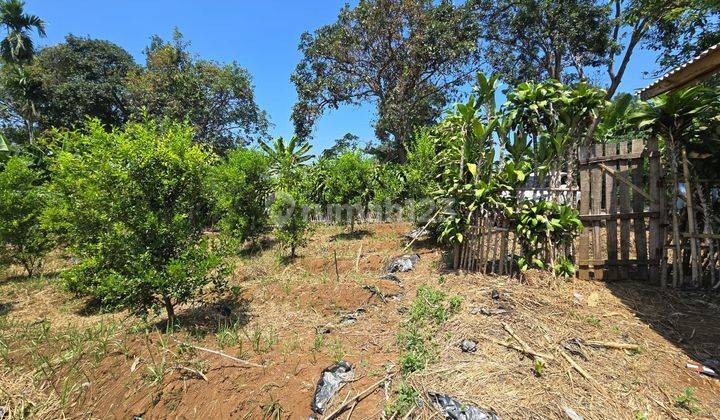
(621, 207)
(489, 247)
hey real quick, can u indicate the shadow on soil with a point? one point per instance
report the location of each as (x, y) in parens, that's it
(690, 320)
(345, 236)
(211, 317)
(5, 308)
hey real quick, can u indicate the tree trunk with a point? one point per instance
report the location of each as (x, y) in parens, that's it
(170, 309)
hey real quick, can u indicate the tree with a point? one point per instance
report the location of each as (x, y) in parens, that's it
(290, 221)
(533, 40)
(218, 100)
(132, 205)
(285, 159)
(82, 78)
(347, 183)
(347, 143)
(409, 57)
(23, 199)
(564, 39)
(17, 46)
(241, 186)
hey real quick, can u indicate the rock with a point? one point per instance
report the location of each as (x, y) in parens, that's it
(495, 294)
(331, 380)
(454, 410)
(402, 263)
(468, 346)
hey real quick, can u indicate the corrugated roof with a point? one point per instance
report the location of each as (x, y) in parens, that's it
(703, 65)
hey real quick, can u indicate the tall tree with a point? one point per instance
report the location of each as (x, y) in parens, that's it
(18, 46)
(82, 78)
(532, 40)
(218, 100)
(409, 57)
(564, 39)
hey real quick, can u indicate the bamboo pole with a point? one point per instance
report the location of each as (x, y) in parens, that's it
(692, 227)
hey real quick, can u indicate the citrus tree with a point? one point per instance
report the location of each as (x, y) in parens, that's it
(131, 205)
(347, 183)
(23, 199)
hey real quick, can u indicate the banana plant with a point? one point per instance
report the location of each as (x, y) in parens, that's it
(286, 158)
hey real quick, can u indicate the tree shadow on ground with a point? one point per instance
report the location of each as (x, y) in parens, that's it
(6, 307)
(252, 250)
(344, 236)
(211, 317)
(690, 320)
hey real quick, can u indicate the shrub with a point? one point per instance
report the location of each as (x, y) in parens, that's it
(291, 225)
(347, 182)
(241, 186)
(132, 207)
(543, 228)
(23, 199)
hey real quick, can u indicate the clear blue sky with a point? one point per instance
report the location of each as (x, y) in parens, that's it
(260, 35)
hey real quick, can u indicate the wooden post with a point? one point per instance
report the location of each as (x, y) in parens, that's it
(638, 204)
(597, 196)
(692, 227)
(584, 241)
(611, 224)
(657, 252)
(678, 274)
(624, 208)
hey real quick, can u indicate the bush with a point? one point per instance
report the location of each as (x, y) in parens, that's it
(291, 224)
(347, 182)
(23, 199)
(241, 186)
(132, 207)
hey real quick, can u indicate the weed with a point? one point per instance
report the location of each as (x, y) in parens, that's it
(538, 367)
(593, 320)
(337, 352)
(227, 335)
(318, 342)
(272, 410)
(688, 401)
(641, 415)
(406, 397)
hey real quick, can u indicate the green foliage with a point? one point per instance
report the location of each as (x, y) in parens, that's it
(17, 46)
(409, 57)
(286, 159)
(241, 185)
(388, 183)
(347, 181)
(217, 99)
(564, 267)
(429, 310)
(542, 226)
(688, 401)
(132, 206)
(23, 199)
(82, 78)
(406, 397)
(291, 225)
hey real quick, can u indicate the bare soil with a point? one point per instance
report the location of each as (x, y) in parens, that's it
(63, 358)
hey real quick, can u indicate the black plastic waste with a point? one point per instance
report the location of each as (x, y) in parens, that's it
(392, 277)
(495, 294)
(331, 380)
(456, 411)
(402, 263)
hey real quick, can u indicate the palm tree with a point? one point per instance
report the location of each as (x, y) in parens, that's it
(286, 158)
(17, 46)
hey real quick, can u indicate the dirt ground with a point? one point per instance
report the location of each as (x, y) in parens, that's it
(63, 358)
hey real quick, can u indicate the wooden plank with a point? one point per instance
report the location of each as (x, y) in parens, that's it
(638, 205)
(584, 240)
(624, 200)
(622, 178)
(612, 158)
(616, 263)
(611, 205)
(596, 189)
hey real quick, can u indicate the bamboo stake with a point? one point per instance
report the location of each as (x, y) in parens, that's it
(677, 257)
(694, 257)
(219, 353)
(529, 352)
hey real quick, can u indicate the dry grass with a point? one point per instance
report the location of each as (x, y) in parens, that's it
(135, 368)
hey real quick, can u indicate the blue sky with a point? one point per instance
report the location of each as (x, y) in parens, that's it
(260, 35)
